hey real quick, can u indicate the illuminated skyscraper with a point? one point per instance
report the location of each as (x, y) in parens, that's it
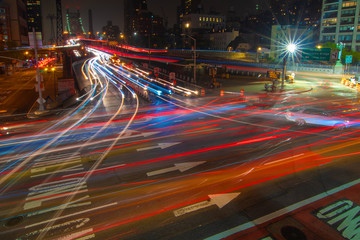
(33, 8)
(191, 6)
(340, 23)
(131, 11)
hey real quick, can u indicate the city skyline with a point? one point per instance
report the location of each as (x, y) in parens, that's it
(113, 10)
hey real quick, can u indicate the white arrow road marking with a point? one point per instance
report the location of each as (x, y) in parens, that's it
(219, 200)
(182, 167)
(160, 145)
(222, 199)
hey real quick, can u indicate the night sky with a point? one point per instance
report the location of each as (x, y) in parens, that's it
(105, 10)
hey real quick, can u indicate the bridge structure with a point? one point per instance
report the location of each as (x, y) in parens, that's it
(74, 25)
(237, 63)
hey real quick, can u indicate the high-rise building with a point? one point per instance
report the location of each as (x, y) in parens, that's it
(191, 6)
(188, 7)
(296, 12)
(33, 8)
(14, 22)
(111, 32)
(131, 11)
(141, 27)
(5, 34)
(340, 22)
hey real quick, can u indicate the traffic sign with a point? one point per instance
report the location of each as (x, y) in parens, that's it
(41, 100)
(41, 87)
(316, 54)
(273, 74)
(334, 54)
(348, 59)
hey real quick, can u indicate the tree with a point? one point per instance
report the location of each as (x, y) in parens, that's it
(346, 51)
(331, 45)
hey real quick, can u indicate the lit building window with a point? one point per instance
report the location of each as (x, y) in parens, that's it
(349, 4)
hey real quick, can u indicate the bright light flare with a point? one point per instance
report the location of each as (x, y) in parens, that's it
(291, 48)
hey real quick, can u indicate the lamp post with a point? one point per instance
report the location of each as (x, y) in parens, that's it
(257, 53)
(194, 55)
(122, 43)
(38, 79)
(55, 88)
(290, 49)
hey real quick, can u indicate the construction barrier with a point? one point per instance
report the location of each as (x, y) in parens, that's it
(221, 93)
(202, 92)
(242, 92)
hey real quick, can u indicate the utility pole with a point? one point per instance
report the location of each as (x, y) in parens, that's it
(194, 39)
(38, 79)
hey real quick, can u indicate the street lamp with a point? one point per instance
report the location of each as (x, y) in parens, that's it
(290, 49)
(53, 70)
(194, 54)
(257, 53)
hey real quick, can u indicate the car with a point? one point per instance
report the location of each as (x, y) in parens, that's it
(303, 115)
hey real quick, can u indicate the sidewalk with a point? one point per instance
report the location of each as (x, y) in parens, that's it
(19, 95)
(253, 85)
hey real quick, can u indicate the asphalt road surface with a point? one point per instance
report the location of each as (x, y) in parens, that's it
(117, 167)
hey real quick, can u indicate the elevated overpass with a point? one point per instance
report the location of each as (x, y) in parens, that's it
(230, 62)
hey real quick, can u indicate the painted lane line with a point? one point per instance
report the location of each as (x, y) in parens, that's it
(283, 159)
(281, 212)
(70, 215)
(53, 165)
(75, 235)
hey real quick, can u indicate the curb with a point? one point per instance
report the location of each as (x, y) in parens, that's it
(292, 92)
